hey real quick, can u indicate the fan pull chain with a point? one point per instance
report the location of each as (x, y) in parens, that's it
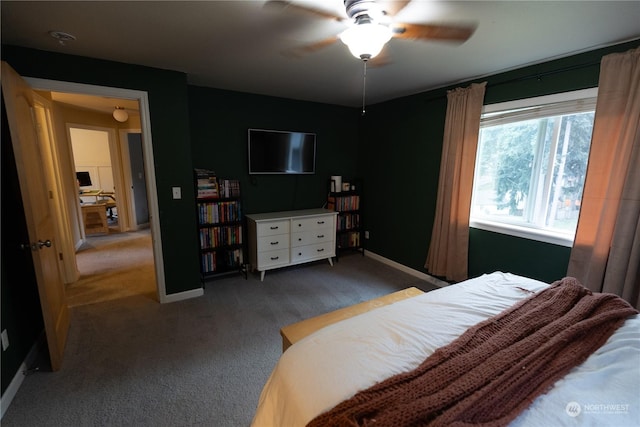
(364, 85)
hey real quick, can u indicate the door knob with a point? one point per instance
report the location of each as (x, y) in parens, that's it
(46, 243)
(35, 246)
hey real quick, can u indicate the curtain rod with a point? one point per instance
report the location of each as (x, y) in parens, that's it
(512, 80)
(538, 76)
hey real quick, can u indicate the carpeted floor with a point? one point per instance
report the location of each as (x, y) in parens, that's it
(200, 362)
(114, 266)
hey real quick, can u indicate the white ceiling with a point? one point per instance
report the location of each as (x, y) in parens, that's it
(238, 45)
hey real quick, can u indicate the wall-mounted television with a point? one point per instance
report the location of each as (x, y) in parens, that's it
(281, 152)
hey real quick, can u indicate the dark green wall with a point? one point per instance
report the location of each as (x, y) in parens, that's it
(401, 144)
(490, 251)
(219, 123)
(168, 103)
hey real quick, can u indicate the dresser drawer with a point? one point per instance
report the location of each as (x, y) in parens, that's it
(313, 223)
(270, 243)
(311, 252)
(304, 238)
(271, 258)
(272, 227)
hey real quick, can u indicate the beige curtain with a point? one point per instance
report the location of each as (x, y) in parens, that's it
(449, 248)
(606, 251)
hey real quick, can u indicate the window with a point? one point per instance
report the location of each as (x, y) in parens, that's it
(531, 164)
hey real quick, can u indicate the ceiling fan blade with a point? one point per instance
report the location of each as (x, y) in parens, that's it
(298, 51)
(392, 7)
(454, 33)
(281, 6)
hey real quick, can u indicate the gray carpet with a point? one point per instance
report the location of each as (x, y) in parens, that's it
(200, 362)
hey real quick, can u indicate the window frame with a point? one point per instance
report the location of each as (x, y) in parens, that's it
(545, 103)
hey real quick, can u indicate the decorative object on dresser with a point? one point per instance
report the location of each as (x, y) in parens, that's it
(281, 239)
(348, 224)
(220, 230)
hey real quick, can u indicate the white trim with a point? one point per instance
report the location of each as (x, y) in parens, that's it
(523, 232)
(180, 296)
(145, 123)
(541, 100)
(415, 273)
(13, 387)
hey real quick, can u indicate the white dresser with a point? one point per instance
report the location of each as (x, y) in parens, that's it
(280, 239)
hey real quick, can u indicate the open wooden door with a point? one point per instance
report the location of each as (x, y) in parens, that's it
(18, 99)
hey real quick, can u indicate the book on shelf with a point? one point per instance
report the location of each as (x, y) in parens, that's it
(212, 262)
(216, 237)
(229, 188)
(343, 203)
(206, 184)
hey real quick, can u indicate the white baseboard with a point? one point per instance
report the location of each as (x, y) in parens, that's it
(18, 378)
(433, 280)
(193, 293)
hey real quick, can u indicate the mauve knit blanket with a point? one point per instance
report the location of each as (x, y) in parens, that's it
(493, 371)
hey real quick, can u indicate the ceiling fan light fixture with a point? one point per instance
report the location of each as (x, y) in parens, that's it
(120, 115)
(366, 40)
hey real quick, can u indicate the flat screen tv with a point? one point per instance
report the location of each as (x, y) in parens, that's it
(281, 152)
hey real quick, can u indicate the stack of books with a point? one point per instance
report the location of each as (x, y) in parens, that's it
(207, 184)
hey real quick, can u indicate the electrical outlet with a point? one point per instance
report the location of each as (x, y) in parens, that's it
(5, 340)
(177, 192)
(366, 234)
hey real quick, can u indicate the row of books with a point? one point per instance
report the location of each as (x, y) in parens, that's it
(226, 260)
(348, 221)
(218, 212)
(342, 204)
(229, 188)
(208, 186)
(349, 240)
(215, 237)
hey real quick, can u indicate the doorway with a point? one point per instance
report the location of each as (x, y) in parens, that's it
(112, 262)
(150, 234)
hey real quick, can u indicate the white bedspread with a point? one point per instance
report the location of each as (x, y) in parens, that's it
(331, 365)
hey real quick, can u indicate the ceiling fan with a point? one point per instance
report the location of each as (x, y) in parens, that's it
(371, 24)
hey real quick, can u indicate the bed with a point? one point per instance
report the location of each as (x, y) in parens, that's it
(334, 363)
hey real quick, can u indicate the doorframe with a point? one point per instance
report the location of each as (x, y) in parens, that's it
(128, 179)
(147, 145)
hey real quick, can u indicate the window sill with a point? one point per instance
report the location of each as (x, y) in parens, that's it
(523, 232)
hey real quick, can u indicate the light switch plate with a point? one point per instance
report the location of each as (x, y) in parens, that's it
(177, 192)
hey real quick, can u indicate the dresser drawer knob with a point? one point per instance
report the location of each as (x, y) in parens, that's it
(273, 258)
(321, 250)
(274, 227)
(274, 243)
(320, 222)
(320, 236)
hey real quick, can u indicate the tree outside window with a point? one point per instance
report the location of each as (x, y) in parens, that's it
(530, 170)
